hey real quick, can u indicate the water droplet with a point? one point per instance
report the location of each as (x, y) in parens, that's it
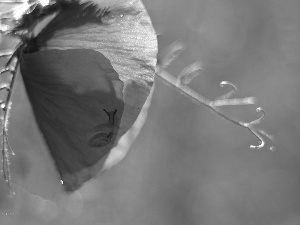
(8, 213)
(2, 105)
(61, 182)
(11, 194)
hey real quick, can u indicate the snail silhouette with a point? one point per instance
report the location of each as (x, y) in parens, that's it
(102, 134)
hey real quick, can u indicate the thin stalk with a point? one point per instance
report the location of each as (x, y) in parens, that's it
(200, 100)
(5, 143)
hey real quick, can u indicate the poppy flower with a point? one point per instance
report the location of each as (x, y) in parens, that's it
(88, 68)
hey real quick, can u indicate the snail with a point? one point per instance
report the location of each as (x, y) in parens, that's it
(102, 134)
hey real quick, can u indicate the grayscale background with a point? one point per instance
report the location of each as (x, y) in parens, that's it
(188, 166)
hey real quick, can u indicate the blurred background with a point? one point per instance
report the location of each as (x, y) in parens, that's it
(188, 166)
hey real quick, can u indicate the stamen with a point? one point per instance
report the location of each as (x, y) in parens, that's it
(230, 93)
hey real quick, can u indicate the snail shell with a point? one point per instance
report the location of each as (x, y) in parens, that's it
(101, 136)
